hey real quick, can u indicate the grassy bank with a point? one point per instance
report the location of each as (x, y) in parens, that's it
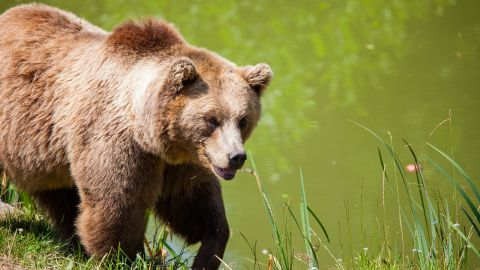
(436, 232)
(27, 241)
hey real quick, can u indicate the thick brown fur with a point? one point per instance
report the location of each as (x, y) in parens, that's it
(99, 127)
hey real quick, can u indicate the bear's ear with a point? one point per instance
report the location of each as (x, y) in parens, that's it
(258, 76)
(182, 71)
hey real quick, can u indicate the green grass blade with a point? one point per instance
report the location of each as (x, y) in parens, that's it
(398, 163)
(421, 185)
(306, 226)
(176, 256)
(418, 233)
(293, 217)
(396, 160)
(458, 187)
(465, 238)
(460, 169)
(309, 245)
(471, 221)
(382, 163)
(319, 223)
(315, 258)
(271, 216)
(253, 249)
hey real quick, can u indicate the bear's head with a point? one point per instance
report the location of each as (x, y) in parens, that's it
(218, 107)
(189, 104)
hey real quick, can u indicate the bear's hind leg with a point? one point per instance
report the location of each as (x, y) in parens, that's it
(61, 206)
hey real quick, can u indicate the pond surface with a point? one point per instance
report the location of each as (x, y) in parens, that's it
(397, 68)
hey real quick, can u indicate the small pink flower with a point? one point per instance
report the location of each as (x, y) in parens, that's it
(412, 167)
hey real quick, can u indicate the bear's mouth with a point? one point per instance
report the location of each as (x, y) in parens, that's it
(227, 174)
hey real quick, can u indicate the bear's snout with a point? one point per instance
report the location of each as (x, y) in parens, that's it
(236, 159)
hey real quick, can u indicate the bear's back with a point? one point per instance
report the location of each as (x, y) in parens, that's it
(43, 20)
(36, 46)
(35, 39)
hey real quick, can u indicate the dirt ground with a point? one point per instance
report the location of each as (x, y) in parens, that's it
(7, 263)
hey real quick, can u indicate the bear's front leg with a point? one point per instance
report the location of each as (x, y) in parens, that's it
(116, 185)
(104, 225)
(191, 203)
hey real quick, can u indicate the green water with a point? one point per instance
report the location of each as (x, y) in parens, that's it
(394, 66)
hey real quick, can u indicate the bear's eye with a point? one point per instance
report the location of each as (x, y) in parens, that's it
(242, 123)
(213, 122)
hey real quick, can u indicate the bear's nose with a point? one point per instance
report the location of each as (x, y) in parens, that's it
(236, 159)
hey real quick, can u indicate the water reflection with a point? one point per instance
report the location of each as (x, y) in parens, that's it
(324, 54)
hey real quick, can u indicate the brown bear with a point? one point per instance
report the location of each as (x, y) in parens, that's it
(99, 127)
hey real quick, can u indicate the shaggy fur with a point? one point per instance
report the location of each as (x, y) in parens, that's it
(99, 127)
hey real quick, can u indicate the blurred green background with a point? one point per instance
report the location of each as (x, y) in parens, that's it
(397, 67)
